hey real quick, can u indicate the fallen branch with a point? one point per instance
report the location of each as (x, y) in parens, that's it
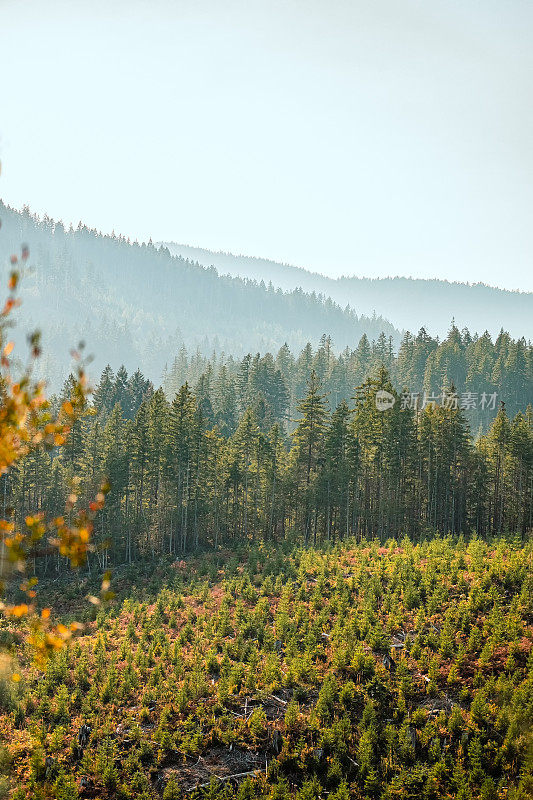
(224, 778)
(277, 699)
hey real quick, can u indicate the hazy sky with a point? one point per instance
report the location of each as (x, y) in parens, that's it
(377, 138)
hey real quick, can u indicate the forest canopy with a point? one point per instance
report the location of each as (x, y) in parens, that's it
(322, 573)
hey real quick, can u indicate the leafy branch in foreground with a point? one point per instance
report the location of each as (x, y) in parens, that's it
(28, 424)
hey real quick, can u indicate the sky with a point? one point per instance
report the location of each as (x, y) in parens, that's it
(374, 138)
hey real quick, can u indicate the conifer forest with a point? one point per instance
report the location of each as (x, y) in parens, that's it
(266, 400)
(332, 604)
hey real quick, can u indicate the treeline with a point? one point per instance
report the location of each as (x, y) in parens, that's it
(409, 303)
(179, 484)
(274, 384)
(136, 303)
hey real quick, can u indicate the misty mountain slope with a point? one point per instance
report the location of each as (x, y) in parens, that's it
(137, 304)
(409, 303)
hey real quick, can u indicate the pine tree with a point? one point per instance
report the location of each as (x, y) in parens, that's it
(335, 474)
(178, 455)
(104, 393)
(245, 447)
(140, 449)
(308, 441)
(115, 467)
(120, 391)
(497, 447)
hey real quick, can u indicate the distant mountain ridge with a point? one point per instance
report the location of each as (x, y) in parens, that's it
(137, 304)
(409, 303)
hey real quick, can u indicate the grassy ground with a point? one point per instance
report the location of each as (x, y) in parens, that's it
(362, 671)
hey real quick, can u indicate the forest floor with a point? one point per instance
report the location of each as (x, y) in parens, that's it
(359, 671)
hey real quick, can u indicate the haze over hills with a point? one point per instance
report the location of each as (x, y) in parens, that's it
(409, 303)
(138, 304)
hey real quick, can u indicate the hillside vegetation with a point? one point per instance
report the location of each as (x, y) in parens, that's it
(179, 485)
(484, 373)
(359, 671)
(136, 304)
(410, 303)
(320, 590)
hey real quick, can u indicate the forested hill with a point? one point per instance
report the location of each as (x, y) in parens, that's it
(137, 304)
(408, 302)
